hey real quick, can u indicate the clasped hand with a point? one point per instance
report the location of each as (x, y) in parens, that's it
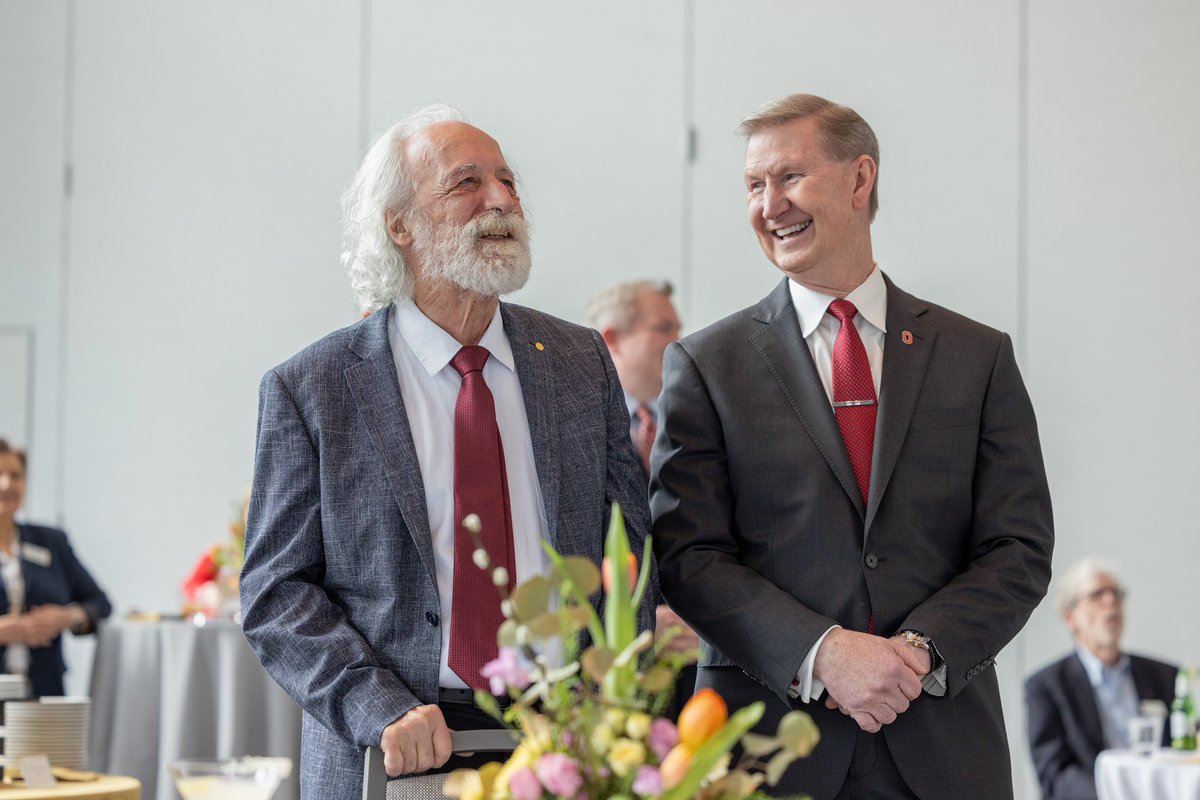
(38, 627)
(870, 679)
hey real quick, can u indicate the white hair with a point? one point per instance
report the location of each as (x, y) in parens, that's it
(383, 185)
(616, 306)
(1072, 584)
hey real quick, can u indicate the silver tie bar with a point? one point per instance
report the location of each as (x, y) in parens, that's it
(853, 403)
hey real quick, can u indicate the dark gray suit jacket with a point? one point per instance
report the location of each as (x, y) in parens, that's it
(763, 541)
(1065, 734)
(339, 595)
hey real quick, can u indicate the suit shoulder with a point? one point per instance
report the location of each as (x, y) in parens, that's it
(540, 323)
(330, 353)
(951, 322)
(1051, 673)
(1156, 665)
(720, 335)
(43, 535)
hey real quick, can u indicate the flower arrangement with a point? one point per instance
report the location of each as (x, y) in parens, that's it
(211, 589)
(592, 728)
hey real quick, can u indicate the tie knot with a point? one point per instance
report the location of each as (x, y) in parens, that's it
(470, 359)
(844, 310)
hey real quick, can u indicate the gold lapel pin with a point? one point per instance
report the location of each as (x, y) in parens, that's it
(906, 337)
(539, 345)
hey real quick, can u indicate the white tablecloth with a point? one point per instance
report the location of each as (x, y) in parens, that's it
(1165, 775)
(172, 690)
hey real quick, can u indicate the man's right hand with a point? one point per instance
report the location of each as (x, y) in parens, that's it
(865, 678)
(416, 742)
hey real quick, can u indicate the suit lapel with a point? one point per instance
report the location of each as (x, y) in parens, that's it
(376, 390)
(906, 352)
(782, 346)
(538, 392)
(1083, 699)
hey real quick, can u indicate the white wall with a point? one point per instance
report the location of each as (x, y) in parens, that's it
(1037, 173)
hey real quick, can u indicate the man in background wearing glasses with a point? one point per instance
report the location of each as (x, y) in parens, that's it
(1082, 704)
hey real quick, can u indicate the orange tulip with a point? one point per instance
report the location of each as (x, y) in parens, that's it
(675, 766)
(606, 573)
(701, 718)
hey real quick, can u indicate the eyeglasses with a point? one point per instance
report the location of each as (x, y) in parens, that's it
(1118, 594)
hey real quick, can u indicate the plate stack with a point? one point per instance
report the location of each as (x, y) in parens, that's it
(55, 726)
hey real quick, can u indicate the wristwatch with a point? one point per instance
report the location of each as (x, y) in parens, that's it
(918, 639)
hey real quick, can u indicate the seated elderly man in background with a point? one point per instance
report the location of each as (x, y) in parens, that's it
(1082, 704)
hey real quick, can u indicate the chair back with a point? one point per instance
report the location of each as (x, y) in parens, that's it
(377, 786)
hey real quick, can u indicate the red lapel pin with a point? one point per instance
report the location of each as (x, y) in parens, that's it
(906, 337)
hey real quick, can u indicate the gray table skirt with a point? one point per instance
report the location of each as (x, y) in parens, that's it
(166, 691)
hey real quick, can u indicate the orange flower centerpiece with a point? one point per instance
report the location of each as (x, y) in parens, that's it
(592, 728)
(211, 590)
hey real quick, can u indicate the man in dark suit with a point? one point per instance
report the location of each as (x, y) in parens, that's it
(1082, 704)
(375, 443)
(848, 491)
(637, 321)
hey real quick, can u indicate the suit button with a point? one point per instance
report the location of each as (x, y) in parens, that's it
(431, 618)
(872, 561)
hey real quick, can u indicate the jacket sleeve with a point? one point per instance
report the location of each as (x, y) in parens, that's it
(1059, 773)
(83, 587)
(303, 639)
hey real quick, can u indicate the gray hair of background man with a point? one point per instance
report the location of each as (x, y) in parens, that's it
(844, 133)
(1075, 581)
(615, 307)
(383, 185)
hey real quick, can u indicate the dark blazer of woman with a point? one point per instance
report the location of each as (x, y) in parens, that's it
(62, 581)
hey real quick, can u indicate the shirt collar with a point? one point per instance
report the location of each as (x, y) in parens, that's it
(1096, 669)
(632, 404)
(434, 348)
(869, 297)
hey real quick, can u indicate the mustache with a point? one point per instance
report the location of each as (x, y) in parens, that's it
(498, 223)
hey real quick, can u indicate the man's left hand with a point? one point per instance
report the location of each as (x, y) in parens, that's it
(684, 639)
(918, 659)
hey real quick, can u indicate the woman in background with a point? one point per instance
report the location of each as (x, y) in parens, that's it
(45, 589)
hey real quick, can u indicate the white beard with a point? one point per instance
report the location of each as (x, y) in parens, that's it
(460, 254)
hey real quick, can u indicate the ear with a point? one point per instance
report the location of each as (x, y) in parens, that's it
(865, 170)
(397, 230)
(611, 337)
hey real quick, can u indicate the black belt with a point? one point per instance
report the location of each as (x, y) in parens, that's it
(466, 697)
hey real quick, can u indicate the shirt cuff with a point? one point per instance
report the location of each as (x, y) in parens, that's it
(805, 687)
(934, 681)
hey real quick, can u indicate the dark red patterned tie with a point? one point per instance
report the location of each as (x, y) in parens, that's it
(480, 487)
(854, 400)
(645, 433)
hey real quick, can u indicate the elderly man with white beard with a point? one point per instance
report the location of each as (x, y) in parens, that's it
(359, 591)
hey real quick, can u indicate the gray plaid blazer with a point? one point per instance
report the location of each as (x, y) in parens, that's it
(339, 597)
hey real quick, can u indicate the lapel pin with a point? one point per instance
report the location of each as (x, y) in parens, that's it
(539, 345)
(906, 337)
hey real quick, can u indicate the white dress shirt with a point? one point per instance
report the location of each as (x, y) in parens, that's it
(429, 384)
(1116, 696)
(820, 330)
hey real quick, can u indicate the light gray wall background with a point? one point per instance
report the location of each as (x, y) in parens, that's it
(169, 177)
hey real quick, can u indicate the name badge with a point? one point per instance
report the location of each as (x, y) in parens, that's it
(36, 554)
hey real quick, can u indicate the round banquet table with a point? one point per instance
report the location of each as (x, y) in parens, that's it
(173, 690)
(106, 787)
(1164, 775)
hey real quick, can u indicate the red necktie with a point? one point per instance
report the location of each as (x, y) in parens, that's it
(854, 401)
(645, 433)
(480, 487)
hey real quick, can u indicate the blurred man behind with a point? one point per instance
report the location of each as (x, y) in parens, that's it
(638, 320)
(1082, 704)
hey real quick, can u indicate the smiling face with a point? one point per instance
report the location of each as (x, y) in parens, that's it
(12, 485)
(810, 211)
(466, 224)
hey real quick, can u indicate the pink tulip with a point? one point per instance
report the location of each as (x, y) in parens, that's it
(663, 736)
(559, 774)
(524, 785)
(648, 782)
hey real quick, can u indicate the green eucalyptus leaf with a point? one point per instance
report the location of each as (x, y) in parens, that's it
(546, 626)
(531, 598)
(798, 733)
(487, 704)
(758, 745)
(506, 636)
(584, 573)
(777, 766)
(596, 662)
(657, 679)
